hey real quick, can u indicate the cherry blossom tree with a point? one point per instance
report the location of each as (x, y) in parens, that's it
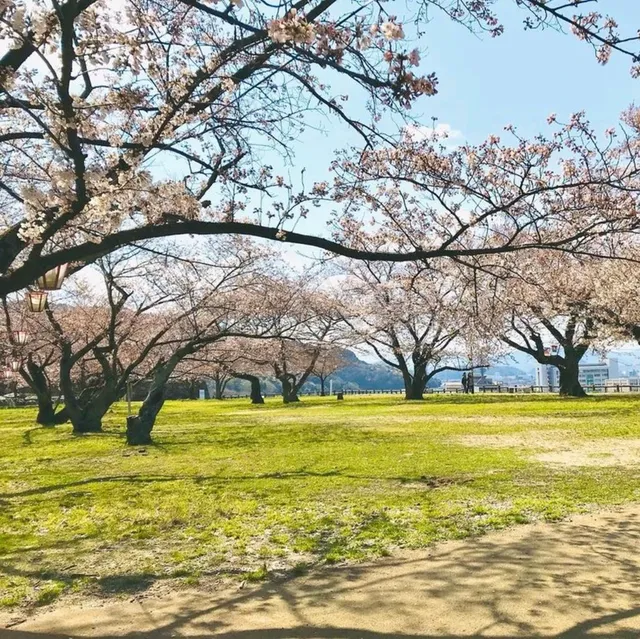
(236, 358)
(236, 299)
(106, 333)
(417, 319)
(96, 95)
(293, 363)
(319, 328)
(38, 359)
(601, 31)
(123, 330)
(544, 303)
(330, 361)
(561, 192)
(224, 360)
(244, 358)
(612, 302)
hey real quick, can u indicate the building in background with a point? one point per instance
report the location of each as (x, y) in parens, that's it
(591, 375)
(547, 376)
(598, 373)
(614, 367)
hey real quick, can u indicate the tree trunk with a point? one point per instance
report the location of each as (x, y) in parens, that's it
(322, 393)
(38, 382)
(62, 416)
(86, 413)
(139, 426)
(569, 379)
(414, 384)
(47, 415)
(85, 416)
(88, 421)
(415, 390)
(289, 391)
(219, 387)
(256, 392)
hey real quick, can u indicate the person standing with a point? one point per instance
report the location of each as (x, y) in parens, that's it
(465, 388)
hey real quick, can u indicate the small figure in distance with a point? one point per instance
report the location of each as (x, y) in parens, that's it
(465, 387)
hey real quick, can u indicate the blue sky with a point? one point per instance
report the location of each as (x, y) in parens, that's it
(521, 77)
(518, 78)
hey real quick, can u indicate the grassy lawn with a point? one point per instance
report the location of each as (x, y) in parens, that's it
(231, 489)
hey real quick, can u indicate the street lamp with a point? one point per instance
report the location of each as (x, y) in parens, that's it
(20, 337)
(52, 280)
(36, 301)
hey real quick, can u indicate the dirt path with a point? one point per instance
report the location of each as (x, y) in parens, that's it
(574, 579)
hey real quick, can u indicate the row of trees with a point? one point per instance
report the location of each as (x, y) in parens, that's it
(151, 313)
(162, 312)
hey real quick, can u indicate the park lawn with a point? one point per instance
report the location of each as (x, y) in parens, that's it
(233, 490)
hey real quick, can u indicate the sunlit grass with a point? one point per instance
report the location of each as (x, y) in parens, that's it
(229, 488)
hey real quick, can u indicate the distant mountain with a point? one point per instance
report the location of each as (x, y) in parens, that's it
(504, 370)
(498, 371)
(361, 375)
(356, 375)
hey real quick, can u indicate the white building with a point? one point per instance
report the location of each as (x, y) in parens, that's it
(614, 367)
(547, 376)
(593, 374)
(590, 375)
(597, 374)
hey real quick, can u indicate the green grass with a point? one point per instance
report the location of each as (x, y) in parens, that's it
(232, 489)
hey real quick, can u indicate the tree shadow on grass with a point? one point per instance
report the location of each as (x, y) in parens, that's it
(568, 581)
(427, 481)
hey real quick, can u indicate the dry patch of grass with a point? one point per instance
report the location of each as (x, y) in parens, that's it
(562, 448)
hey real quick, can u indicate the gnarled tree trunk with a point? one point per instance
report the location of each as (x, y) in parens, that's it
(569, 378)
(289, 389)
(37, 381)
(86, 411)
(256, 391)
(139, 426)
(47, 415)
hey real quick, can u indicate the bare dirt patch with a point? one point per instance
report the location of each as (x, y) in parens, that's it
(574, 579)
(560, 447)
